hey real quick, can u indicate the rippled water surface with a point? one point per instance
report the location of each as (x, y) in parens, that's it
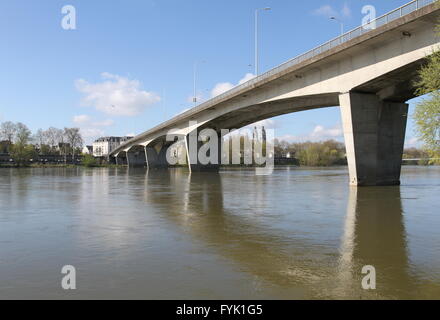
(297, 234)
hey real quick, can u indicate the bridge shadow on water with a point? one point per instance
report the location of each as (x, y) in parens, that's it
(373, 234)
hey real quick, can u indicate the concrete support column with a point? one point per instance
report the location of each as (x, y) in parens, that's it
(203, 157)
(156, 159)
(374, 132)
(136, 159)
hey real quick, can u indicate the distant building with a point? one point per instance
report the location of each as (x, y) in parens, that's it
(87, 150)
(103, 146)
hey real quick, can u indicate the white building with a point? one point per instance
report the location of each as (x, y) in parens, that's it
(87, 150)
(103, 146)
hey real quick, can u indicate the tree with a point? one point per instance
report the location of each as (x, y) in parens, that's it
(8, 130)
(325, 153)
(54, 137)
(427, 113)
(89, 161)
(23, 134)
(40, 138)
(73, 138)
(22, 154)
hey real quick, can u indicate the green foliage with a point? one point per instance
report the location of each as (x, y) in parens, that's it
(22, 154)
(427, 113)
(23, 134)
(429, 75)
(427, 119)
(89, 161)
(414, 153)
(326, 153)
(320, 154)
(45, 149)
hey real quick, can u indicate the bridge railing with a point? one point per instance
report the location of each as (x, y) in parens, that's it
(378, 22)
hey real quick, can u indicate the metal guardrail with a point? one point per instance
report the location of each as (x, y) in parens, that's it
(380, 21)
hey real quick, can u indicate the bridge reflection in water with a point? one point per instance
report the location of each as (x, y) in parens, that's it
(374, 234)
(299, 233)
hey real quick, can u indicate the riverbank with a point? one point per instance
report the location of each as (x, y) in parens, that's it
(61, 166)
(179, 166)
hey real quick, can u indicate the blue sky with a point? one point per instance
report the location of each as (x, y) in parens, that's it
(144, 50)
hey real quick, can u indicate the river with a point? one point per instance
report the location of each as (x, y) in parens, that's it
(299, 233)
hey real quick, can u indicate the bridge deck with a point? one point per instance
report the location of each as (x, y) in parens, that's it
(398, 17)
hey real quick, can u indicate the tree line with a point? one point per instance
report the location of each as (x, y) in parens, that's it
(313, 154)
(333, 153)
(427, 113)
(22, 145)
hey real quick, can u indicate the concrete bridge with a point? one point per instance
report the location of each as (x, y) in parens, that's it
(368, 72)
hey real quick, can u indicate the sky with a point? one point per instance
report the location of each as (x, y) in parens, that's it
(128, 65)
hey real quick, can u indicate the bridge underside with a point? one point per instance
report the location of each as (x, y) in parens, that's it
(374, 132)
(371, 77)
(374, 117)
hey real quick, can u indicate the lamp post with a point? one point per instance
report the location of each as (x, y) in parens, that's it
(340, 22)
(256, 38)
(195, 81)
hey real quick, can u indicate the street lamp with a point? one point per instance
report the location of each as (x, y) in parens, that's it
(195, 81)
(256, 38)
(341, 23)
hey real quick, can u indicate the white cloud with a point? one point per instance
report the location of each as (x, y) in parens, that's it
(226, 86)
(326, 10)
(246, 78)
(81, 119)
(85, 120)
(91, 130)
(322, 133)
(329, 11)
(116, 95)
(346, 11)
(221, 88)
(319, 133)
(288, 138)
(104, 123)
(91, 134)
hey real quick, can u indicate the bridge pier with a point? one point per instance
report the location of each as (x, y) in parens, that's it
(200, 158)
(136, 158)
(374, 132)
(156, 159)
(119, 159)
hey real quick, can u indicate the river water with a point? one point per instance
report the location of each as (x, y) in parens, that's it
(297, 234)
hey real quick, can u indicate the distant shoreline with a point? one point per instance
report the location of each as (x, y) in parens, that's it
(14, 166)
